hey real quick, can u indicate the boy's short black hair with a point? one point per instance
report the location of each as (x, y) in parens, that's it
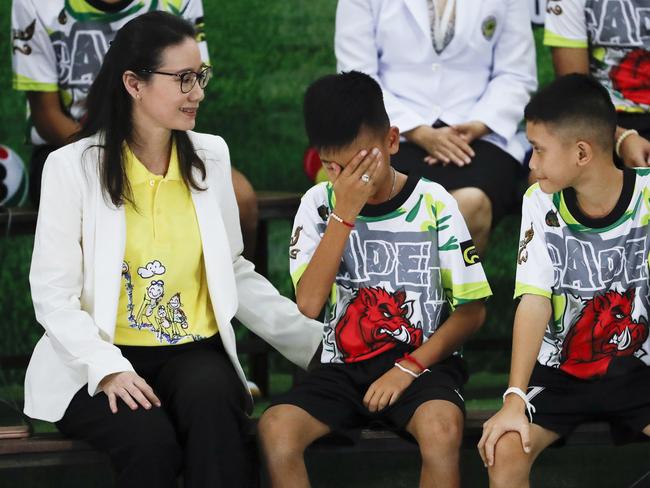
(336, 107)
(579, 106)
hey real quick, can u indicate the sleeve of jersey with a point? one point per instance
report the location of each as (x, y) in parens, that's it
(461, 272)
(33, 58)
(535, 274)
(305, 236)
(193, 13)
(565, 24)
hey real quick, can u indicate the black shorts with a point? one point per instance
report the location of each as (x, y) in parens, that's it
(333, 393)
(562, 402)
(493, 171)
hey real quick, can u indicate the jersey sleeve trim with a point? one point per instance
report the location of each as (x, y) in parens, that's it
(23, 83)
(523, 289)
(555, 40)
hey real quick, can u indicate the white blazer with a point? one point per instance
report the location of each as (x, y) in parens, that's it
(76, 268)
(478, 76)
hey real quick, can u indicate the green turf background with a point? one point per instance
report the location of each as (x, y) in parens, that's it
(264, 54)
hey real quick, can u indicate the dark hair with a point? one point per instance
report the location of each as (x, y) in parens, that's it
(137, 46)
(336, 107)
(576, 104)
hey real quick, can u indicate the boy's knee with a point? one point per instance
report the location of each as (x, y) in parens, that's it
(511, 463)
(439, 434)
(278, 434)
(474, 204)
(441, 439)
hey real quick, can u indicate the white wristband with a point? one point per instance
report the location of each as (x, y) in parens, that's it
(530, 409)
(621, 138)
(408, 371)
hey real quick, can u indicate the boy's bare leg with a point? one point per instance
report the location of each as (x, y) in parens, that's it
(248, 212)
(285, 431)
(437, 425)
(476, 209)
(511, 468)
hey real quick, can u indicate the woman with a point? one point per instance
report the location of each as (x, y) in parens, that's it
(456, 76)
(137, 273)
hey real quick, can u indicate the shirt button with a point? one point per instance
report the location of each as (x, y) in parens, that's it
(151, 182)
(435, 66)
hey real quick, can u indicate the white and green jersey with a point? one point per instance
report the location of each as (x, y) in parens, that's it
(59, 45)
(617, 37)
(595, 271)
(405, 260)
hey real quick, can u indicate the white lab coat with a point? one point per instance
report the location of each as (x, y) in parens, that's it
(76, 270)
(477, 76)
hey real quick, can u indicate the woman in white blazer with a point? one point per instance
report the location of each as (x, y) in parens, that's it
(161, 409)
(456, 75)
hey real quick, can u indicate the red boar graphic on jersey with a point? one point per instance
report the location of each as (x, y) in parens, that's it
(373, 322)
(604, 330)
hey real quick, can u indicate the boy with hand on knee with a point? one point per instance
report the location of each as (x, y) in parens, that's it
(386, 254)
(580, 340)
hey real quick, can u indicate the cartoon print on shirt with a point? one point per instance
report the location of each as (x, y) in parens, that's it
(153, 295)
(168, 322)
(376, 320)
(128, 284)
(164, 325)
(177, 314)
(604, 330)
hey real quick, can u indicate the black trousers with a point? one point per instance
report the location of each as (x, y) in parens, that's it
(200, 430)
(493, 171)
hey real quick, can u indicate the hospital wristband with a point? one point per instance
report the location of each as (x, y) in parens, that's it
(621, 138)
(340, 220)
(530, 409)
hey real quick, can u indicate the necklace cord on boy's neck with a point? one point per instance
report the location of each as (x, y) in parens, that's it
(390, 195)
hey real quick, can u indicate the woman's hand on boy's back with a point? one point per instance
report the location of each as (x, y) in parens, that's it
(511, 418)
(350, 189)
(386, 389)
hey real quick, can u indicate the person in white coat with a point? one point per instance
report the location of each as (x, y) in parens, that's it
(456, 75)
(136, 212)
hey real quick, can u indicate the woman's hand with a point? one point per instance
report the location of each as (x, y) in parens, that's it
(443, 145)
(350, 190)
(470, 131)
(387, 389)
(511, 418)
(131, 388)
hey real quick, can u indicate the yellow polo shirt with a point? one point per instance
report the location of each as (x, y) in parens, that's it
(164, 295)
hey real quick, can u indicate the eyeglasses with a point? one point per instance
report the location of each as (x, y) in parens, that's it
(188, 78)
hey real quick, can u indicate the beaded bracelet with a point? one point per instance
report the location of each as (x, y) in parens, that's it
(621, 138)
(408, 357)
(340, 220)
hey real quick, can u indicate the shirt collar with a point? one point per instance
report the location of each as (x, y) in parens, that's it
(137, 173)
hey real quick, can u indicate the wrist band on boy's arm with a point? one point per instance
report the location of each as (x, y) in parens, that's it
(621, 138)
(530, 409)
(409, 372)
(341, 221)
(411, 359)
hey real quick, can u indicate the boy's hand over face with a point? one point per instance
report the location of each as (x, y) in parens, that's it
(511, 418)
(350, 189)
(386, 389)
